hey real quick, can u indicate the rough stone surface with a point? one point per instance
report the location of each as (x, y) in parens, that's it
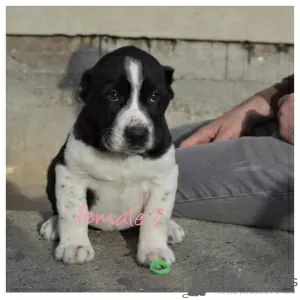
(213, 258)
(191, 59)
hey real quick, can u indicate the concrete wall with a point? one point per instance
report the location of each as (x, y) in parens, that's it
(255, 24)
(41, 73)
(214, 69)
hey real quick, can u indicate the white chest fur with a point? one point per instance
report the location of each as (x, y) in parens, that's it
(122, 185)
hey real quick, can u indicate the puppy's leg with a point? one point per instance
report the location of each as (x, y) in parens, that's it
(154, 228)
(74, 245)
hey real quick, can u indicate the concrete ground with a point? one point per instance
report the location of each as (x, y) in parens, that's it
(213, 258)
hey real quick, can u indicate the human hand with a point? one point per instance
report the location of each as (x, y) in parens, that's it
(229, 126)
(286, 118)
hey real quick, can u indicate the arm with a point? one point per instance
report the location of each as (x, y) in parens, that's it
(234, 123)
(286, 118)
(273, 94)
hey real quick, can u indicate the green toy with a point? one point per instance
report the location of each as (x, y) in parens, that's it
(165, 267)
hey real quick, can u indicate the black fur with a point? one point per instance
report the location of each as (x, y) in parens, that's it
(99, 113)
(51, 177)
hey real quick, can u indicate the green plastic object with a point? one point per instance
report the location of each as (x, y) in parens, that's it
(164, 270)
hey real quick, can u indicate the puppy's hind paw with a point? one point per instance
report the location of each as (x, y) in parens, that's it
(175, 233)
(48, 230)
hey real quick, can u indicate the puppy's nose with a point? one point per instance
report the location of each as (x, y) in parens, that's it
(137, 134)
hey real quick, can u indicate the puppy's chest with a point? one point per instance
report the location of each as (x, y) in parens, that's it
(116, 199)
(119, 185)
(119, 188)
(86, 161)
(123, 172)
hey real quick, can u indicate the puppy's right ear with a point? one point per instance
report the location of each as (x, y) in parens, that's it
(169, 72)
(85, 85)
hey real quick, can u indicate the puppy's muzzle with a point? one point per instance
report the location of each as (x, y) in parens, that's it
(136, 136)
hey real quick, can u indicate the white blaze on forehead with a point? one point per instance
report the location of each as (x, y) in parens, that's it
(132, 112)
(133, 70)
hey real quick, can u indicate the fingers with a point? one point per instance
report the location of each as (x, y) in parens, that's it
(214, 132)
(227, 134)
(221, 137)
(203, 136)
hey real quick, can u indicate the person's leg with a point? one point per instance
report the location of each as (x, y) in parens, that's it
(248, 181)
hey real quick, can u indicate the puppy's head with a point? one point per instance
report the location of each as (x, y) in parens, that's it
(127, 93)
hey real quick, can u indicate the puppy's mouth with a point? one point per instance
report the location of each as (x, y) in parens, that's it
(125, 148)
(131, 140)
(135, 150)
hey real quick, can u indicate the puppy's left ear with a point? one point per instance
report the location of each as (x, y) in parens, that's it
(169, 71)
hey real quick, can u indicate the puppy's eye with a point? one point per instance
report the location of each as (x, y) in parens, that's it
(155, 97)
(113, 96)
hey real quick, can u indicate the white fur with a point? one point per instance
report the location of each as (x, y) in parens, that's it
(121, 184)
(131, 114)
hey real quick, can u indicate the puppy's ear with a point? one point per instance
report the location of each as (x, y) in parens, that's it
(85, 85)
(169, 71)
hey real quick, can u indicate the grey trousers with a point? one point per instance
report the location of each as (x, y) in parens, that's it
(248, 181)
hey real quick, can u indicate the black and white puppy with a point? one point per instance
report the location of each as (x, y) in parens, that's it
(118, 157)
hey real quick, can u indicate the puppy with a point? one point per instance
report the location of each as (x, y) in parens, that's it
(117, 158)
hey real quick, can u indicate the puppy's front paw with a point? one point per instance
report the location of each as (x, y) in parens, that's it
(147, 253)
(48, 229)
(74, 254)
